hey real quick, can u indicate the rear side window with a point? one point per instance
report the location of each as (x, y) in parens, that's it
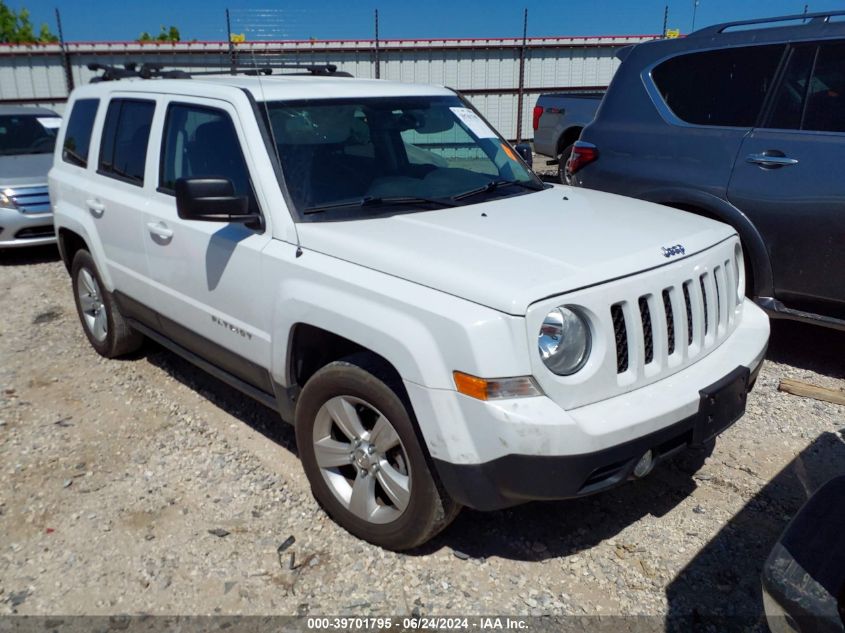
(201, 142)
(78, 134)
(724, 88)
(123, 149)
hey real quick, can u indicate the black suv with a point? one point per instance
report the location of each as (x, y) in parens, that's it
(743, 122)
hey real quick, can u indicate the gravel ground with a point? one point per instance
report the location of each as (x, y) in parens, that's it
(116, 473)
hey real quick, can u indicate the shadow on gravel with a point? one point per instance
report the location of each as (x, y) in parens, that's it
(264, 420)
(720, 588)
(29, 255)
(810, 347)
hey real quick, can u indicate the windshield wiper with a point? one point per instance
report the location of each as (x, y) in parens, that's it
(372, 201)
(495, 184)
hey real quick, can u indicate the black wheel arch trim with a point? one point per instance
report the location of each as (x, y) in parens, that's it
(722, 210)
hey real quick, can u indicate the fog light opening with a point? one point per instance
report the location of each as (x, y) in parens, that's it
(644, 466)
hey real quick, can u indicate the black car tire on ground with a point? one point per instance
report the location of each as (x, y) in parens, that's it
(118, 338)
(561, 165)
(360, 382)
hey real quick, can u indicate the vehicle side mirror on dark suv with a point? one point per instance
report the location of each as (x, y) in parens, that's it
(212, 200)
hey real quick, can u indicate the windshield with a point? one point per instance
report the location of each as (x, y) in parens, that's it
(354, 158)
(27, 134)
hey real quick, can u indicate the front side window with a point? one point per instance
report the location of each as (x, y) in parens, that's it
(78, 134)
(826, 95)
(126, 133)
(788, 104)
(364, 157)
(722, 88)
(202, 142)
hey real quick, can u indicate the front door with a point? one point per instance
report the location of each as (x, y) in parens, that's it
(207, 275)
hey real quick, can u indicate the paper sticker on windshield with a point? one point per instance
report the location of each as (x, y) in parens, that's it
(50, 122)
(476, 125)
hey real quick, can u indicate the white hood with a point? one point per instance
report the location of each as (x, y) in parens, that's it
(508, 253)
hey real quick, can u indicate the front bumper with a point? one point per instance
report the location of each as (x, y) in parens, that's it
(514, 479)
(491, 455)
(18, 229)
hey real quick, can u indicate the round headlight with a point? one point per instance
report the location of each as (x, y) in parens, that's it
(564, 341)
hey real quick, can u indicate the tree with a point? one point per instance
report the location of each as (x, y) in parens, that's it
(165, 35)
(16, 28)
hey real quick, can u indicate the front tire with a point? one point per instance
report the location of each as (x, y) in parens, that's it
(360, 451)
(103, 324)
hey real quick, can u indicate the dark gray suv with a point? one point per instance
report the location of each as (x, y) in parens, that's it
(743, 122)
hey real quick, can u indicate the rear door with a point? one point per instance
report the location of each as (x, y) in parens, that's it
(120, 192)
(702, 105)
(207, 276)
(789, 177)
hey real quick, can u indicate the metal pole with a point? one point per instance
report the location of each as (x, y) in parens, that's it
(521, 96)
(231, 43)
(377, 60)
(694, 9)
(665, 20)
(65, 55)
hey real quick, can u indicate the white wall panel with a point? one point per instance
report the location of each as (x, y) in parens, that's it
(486, 70)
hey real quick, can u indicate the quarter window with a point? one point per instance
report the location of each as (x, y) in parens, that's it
(78, 134)
(723, 88)
(126, 132)
(202, 142)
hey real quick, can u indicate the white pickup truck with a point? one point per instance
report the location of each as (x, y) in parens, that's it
(376, 263)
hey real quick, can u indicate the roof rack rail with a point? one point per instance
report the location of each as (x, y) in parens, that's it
(811, 18)
(151, 70)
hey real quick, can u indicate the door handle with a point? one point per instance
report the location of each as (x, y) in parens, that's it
(159, 229)
(96, 207)
(770, 159)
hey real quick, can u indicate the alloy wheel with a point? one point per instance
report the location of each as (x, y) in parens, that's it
(362, 459)
(91, 305)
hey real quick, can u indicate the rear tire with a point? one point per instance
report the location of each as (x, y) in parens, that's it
(564, 178)
(103, 324)
(360, 451)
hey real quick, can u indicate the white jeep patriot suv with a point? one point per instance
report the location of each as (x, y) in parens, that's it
(376, 263)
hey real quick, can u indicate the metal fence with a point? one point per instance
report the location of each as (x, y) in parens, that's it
(487, 71)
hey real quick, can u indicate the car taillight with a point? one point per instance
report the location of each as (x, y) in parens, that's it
(538, 112)
(582, 154)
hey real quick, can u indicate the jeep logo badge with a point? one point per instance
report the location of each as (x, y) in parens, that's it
(671, 251)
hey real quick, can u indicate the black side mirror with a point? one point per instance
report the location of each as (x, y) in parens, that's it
(524, 150)
(212, 200)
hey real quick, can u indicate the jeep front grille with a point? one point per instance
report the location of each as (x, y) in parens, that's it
(648, 340)
(670, 322)
(696, 308)
(647, 326)
(621, 338)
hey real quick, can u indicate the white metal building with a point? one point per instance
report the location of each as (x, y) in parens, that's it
(487, 71)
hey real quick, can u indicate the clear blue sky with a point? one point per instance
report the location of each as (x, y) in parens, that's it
(349, 19)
